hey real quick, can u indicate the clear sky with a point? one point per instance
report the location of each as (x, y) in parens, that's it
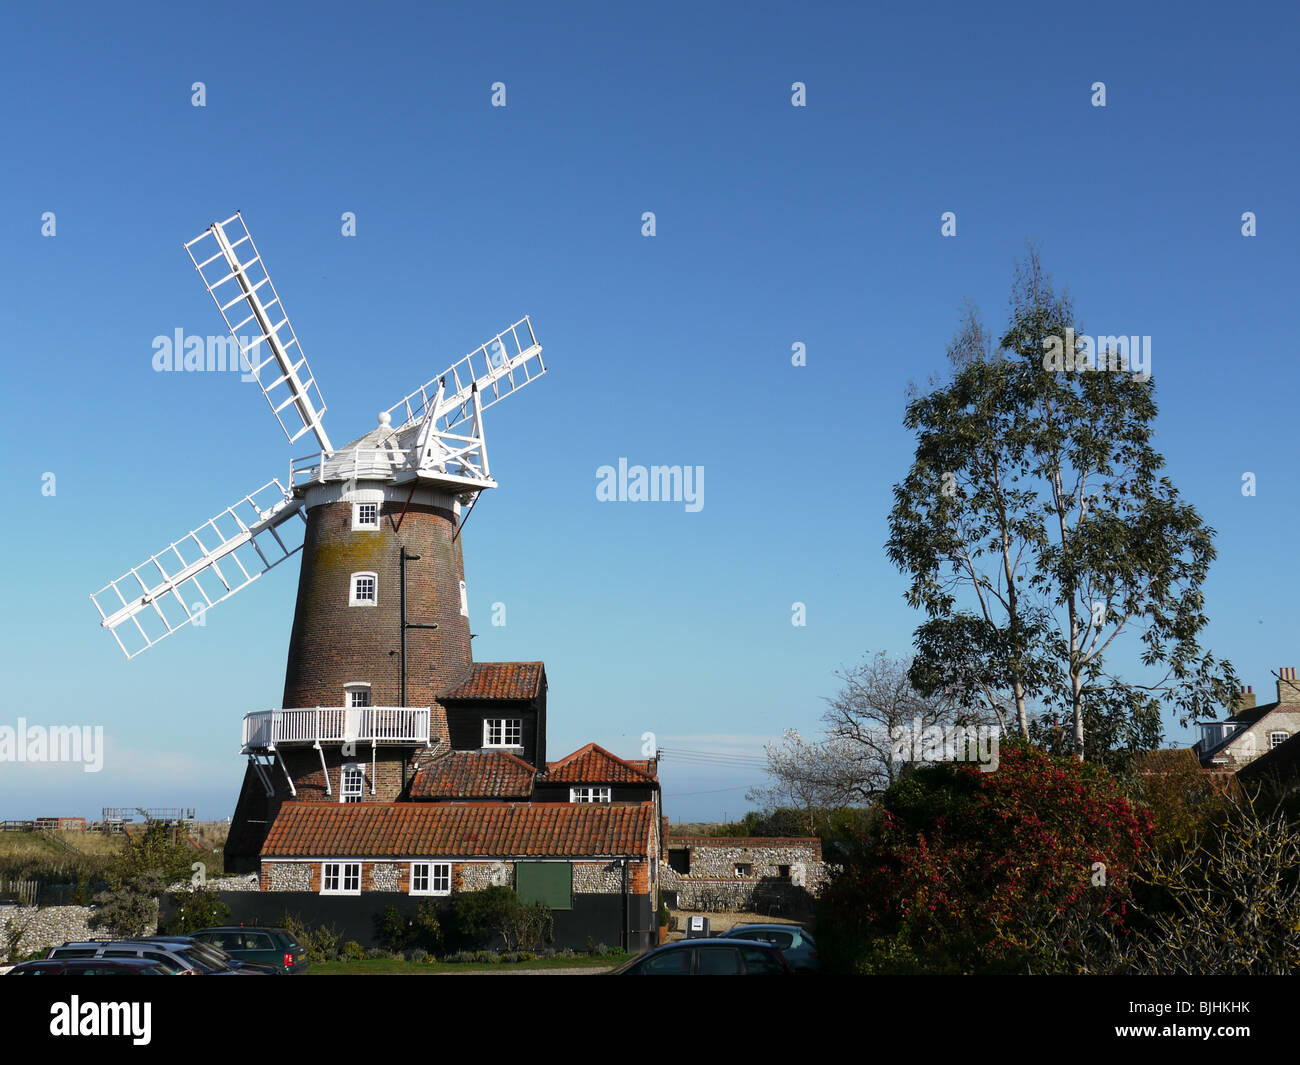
(774, 225)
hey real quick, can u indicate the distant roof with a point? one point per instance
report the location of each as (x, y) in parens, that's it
(438, 830)
(473, 775)
(593, 764)
(500, 680)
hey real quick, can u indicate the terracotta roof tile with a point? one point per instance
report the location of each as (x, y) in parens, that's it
(593, 764)
(500, 680)
(473, 775)
(436, 830)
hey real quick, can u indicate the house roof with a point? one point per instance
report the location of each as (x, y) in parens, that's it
(473, 775)
(593, 764)
(500, 680)
(475, 830)
(1281, 761)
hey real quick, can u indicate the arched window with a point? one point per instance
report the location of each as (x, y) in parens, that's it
(364, 589)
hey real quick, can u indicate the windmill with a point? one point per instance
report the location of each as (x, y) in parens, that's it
(394, 496)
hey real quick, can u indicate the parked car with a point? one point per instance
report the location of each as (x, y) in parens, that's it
(91, 967)
(177, 957)
(796, 945)
(215, 956)
(708, 957)
(269, 946)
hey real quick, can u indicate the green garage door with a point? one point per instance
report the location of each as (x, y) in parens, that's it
(548, 882)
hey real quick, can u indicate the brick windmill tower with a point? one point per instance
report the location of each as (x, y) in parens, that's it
(379, 669)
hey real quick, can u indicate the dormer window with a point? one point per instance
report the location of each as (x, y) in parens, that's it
(589, 794)
(503, 732)
(365, 589)
(365, 516)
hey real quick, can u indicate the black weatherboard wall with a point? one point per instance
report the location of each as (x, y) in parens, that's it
(593, 918)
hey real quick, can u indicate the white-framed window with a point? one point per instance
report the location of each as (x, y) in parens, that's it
(503, 732)
(589, 795)
(357, 694)
(365, 516)
(431, 878)
(464, 600)
(352, 787)
(1276, 739)
(340, 878)
(744, 869)
(364, 589)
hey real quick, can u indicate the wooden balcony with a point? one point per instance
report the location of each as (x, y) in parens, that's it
(266, 730)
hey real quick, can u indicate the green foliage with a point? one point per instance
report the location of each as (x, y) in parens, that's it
(15, 929)
(352, 951)
(197, 908)
(320, 943)
(132, 908)
(399, 933)
(497, 911)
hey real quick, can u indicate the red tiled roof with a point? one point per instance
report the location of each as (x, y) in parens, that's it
(473, 775)
(593, 764)
(437, 830)
(500, 680)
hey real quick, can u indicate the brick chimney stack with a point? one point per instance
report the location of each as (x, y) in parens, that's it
(1288, 687)
(1243, 700)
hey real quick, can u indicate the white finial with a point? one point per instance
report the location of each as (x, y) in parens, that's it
(385, 419)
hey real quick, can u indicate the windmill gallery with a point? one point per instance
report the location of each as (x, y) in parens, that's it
(417, 773)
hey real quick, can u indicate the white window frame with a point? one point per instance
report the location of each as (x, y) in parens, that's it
(437, 878)
(359, 775)
(504, 723)
(736, 866)
(359, 687)
(1277, 738)
(341, 876)
(354, 581)
(589, 794)
(464, 600)
(363, 526)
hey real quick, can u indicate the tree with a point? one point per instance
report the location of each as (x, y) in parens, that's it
(1037, 531)
(855, 763)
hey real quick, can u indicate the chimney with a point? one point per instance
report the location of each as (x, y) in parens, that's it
(1288, 687)
(1243, 700)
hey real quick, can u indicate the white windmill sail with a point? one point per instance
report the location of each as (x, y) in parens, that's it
(233, 273)
(175, 587)
(502, 366)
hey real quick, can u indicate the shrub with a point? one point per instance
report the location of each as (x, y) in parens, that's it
(320, 943)
(967, 866)
(132, 909)
(418, 956)
(497, 911)
(352, 951)
(195, 909)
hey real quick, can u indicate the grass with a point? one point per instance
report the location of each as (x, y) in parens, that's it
(394, 967)
(26, 846)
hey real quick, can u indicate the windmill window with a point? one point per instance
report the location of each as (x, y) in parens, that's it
(503, 732)
(365, 589)
(464, 600)
(1276, 739)
(365, 515)
(353, 785)
(357, 694)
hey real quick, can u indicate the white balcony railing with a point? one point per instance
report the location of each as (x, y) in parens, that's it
(336, 724)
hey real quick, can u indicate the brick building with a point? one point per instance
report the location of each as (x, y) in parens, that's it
(1251, 734)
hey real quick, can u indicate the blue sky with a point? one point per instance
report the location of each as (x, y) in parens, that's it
(775, 224)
